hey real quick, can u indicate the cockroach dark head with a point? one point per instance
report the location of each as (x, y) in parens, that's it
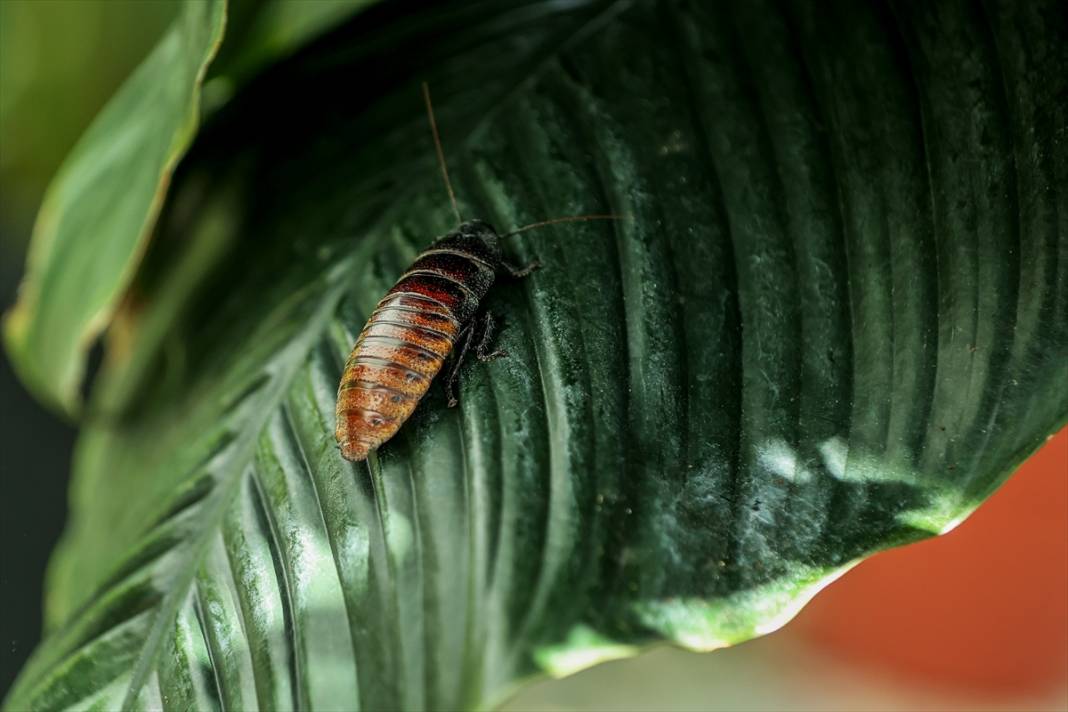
(478, 228)
(475, 234)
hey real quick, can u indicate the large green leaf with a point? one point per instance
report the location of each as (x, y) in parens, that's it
(836, 322)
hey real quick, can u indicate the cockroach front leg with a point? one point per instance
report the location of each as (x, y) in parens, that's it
(519, 272)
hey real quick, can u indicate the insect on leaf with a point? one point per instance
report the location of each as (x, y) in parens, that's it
(837, 321)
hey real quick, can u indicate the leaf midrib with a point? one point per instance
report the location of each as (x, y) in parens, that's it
(237, 463)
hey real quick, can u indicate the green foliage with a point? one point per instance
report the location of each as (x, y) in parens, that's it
(835, 323)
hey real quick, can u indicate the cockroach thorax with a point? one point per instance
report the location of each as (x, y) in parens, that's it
(476, 237)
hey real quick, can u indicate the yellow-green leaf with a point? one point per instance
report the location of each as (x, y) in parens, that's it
(98, 213)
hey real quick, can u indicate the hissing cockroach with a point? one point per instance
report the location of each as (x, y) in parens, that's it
(431, 310)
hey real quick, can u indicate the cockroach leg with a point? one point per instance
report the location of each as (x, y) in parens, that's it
(489, 330)
(463, 343)
(519, 272)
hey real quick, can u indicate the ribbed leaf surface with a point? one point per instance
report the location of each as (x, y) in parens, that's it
(836, 321)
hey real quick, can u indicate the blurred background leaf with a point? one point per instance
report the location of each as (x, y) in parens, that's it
(116, 177)
(112, 183)
(49, 97)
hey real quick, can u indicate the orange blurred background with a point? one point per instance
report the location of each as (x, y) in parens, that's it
(982, 610)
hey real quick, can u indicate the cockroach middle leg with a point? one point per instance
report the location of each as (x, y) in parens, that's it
(489, 330)
(486, 326)
(463, 343)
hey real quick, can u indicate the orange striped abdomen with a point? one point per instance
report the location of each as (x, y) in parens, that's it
(400, 350)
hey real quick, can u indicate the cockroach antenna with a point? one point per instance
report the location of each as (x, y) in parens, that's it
(441, 153)
(573, 218)
(452, 194)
